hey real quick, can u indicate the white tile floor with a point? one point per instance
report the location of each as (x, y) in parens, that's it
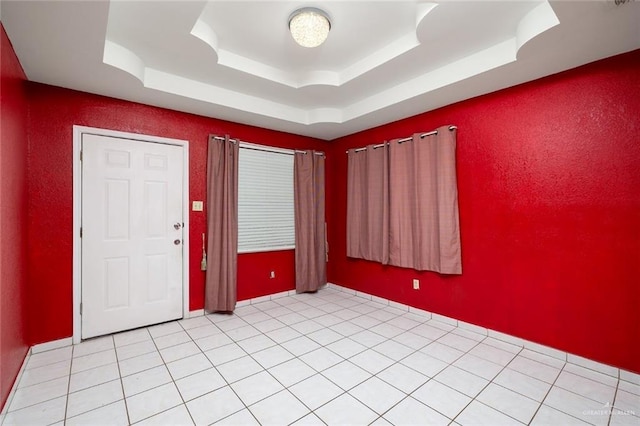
(326, 358)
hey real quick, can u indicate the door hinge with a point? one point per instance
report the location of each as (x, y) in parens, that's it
(80, 308)
(80, 155)
(80, 232)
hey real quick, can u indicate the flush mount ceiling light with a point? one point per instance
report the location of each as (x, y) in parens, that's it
(309, 26)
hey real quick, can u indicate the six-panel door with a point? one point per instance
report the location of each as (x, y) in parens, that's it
(131, 234)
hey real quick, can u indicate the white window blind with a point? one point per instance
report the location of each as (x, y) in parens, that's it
(265, 199)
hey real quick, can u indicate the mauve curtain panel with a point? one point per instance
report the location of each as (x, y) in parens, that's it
(368, 204)
(222, 225)
(424, 227)
(310, 253)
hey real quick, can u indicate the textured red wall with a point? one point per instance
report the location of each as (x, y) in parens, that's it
(549, 196)
(53, 112)
(255, 268)
(13, 221)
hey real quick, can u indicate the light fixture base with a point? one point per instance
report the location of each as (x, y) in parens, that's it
(309, 26)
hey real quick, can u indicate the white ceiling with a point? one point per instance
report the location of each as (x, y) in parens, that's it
(383, 60)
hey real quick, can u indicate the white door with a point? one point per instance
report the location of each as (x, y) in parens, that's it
(131, 234)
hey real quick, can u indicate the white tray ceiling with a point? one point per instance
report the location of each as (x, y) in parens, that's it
(383, 60)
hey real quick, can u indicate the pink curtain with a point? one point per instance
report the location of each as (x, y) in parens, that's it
(222, 225)
(310, 254)
(424, 228)
(368, 204)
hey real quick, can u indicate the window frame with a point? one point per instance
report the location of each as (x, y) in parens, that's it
(273, 150)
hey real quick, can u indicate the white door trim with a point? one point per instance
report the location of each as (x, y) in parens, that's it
(77, 214)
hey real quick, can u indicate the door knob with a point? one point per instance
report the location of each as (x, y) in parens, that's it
(177, 226)
(176, 242)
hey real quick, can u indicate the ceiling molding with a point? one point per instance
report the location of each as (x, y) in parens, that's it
(535, 22)
(384, 60)
(122, 58)
(203, 30)
(539, 20)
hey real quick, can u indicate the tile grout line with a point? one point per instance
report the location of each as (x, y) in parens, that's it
(549, 391)
(578, 394)
(565, 357)
(611, 407)
(491, 382)
(124, 396)
(70, 376)
(223, 378)
(316, 372)
(164, 364)
(406, 395)
(17, 388)
(320, 373)
(285, 388)
(372, 374)
(452, 364)
(350, 309)
(66, 405)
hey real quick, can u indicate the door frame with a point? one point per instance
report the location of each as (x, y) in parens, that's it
(78, 131)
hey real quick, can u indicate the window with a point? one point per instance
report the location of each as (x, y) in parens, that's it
(265, 199)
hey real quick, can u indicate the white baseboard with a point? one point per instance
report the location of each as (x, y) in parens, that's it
(196, 313)
(260, 299)
(241, 303)
(591, 365)
(265, 298)
(472, 327)
(545, 350)
(506, 338)
(54, 344)
(513, 340)
(630, 377)
(420, 312)
(280, 295)
(444, 319)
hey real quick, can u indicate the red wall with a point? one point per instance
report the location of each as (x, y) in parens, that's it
(13, 223)
(255, 268)
(549, 197)
(53, 112)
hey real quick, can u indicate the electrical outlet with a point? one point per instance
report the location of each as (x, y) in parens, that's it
(272, 274)
(416, 284)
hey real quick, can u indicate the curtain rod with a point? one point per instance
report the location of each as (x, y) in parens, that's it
(293, 151)
(380, 145)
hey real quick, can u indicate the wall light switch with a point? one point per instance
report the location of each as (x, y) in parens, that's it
(416, 284)
(197, 206)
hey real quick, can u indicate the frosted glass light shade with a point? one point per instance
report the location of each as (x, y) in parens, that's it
(309, 27)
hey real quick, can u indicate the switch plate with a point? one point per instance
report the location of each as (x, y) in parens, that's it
(416, 284)
(197, 206)
(272, 274)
